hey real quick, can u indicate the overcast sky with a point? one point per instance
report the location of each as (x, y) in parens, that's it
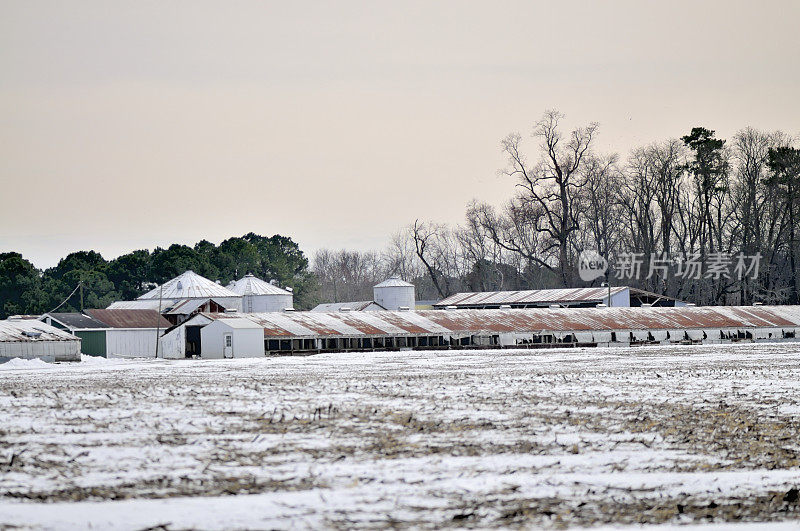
(127, 125)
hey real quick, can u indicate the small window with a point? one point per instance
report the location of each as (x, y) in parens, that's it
(228, 341)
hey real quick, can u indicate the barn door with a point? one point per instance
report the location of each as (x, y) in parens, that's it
(228, 345)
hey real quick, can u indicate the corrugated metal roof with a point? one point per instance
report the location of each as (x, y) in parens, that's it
(393, 282)
(250, 285)
(189, 285)
(14, 330)
(75, 320)
(145, 304)
(534, 296)
(187, 306)
(537, 320)
(116, 318)
(542, 296)
(358, 306)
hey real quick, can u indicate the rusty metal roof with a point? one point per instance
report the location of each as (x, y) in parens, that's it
(119, 318)
(32, 330)
(536, 320)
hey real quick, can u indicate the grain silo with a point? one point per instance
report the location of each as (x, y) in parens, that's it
(395, 294)
(260, 296)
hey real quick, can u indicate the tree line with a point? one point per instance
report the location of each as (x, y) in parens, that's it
(681, 205)
(675, 204)
(24, 289)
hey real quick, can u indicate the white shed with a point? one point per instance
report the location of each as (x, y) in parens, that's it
(234, 337)
(259, 296)
(31, 338)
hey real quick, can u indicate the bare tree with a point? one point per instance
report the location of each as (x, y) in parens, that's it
(549, 188)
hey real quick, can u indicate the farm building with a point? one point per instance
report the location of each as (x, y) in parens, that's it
(620, 297)
(260, 296)
(308, 332)
(112, 333)
(391, 294)
(32, 339)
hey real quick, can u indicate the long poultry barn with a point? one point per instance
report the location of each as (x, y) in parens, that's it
(235, 334)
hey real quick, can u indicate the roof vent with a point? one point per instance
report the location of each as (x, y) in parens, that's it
(344, 309)
(288, 309)
(15, 318)
(231, 310)
(28, 333)
(179, 286)
(404, 308)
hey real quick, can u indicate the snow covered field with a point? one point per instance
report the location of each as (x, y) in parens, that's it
(703, 434)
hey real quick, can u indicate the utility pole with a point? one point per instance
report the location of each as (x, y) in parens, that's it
(80, 287)
(607, 284)
(158, 322)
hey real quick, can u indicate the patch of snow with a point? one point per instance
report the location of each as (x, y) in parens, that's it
(23, 364)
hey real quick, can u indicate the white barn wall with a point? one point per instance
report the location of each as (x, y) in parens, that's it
(173, 345)
(131, 343)
(44, 350)
(619, 300)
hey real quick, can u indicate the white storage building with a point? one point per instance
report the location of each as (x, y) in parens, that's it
(259, 296)
(235, 337)
(32, 339)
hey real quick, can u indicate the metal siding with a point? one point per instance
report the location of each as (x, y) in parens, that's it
(131, 343)
(394, 297)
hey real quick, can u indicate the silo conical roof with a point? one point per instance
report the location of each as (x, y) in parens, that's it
(189, 285)
(251, 285)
